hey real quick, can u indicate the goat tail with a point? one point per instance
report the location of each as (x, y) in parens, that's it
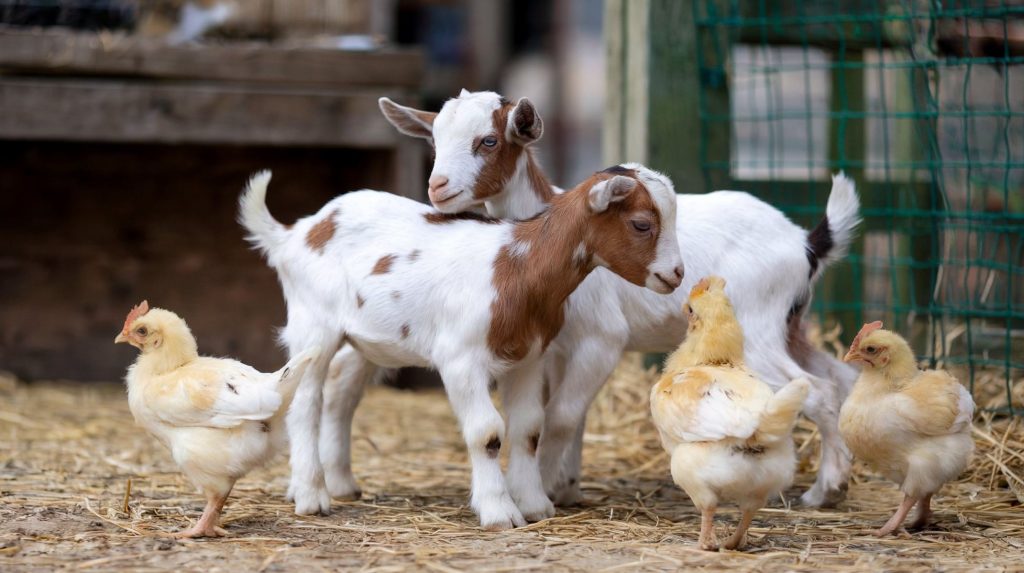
(780, 415)
(265, 232)
(830, 240)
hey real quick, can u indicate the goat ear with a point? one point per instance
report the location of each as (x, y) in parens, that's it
(609, 191)
(524, 124)
(410, 121)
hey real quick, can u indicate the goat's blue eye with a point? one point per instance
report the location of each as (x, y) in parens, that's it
(490, 141)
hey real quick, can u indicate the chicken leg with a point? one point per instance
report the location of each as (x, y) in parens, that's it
(924, 513)
(739, 537)
(708, 541)
(897, 518)
(207, 524)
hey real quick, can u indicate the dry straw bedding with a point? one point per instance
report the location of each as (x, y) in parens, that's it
(67, 453)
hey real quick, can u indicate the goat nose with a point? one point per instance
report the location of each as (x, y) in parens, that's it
(436, 182)
(678, 272)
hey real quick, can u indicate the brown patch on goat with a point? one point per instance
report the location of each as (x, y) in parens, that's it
(538, 181)
(321, 233)
(532, 287)
(360, 301)
(499, 161)
(396, 295)
(383, 265)
(405, 331)
(435, 218)
(799, 347)
(414, 255)
(493, 447)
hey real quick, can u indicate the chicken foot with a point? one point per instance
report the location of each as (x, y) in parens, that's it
(207, 524)
(739, 537)
(708, 541)
(897, 518)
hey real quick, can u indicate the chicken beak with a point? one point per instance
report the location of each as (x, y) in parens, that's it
(851, 356)
(120, 338)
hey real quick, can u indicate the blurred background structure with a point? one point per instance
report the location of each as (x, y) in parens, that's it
(127, 128)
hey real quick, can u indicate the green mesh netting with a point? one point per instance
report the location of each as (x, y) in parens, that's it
(922, 103)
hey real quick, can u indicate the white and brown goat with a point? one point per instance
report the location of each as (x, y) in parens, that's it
(483, 159)
(399, 284)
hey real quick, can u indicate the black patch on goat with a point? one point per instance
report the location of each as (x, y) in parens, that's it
(819, 244)
(617, 170)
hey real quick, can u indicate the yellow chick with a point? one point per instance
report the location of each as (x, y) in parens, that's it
(913, 427)
(728, 435)
(218, 417)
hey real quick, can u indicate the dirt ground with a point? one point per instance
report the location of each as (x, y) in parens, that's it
(68, 452)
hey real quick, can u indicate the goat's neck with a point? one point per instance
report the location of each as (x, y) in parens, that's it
(535, 273)
(527, 193)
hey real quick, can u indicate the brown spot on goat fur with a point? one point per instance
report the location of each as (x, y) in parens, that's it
(383, 265)
(405, 331)
(493, 447)
(532, 287)
(499, 161)
(396, 295)
(360, 301)
(265, 427)
(414, 255)
(321, 233)
(435, 218)
(538, 181)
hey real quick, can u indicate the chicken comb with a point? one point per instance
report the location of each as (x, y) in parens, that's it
(137, 311)
(864, 331)
(705, 284)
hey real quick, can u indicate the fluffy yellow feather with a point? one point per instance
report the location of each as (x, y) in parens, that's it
(218, 417)
(727, 434)
(912, 426)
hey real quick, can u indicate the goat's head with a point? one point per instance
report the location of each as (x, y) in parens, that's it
(633, 232)
(479, 142)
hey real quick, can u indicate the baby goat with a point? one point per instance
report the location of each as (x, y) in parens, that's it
(483, 159)
(474, 297)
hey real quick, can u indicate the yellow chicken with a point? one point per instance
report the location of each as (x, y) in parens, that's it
(913, 427)
(729, 437)
(218, 417)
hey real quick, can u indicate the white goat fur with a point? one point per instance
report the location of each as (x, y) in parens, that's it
(762, 255)
(431, 307)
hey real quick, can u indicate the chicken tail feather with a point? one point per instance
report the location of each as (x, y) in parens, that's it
(780, 415)
(291, 375)
(265, 232)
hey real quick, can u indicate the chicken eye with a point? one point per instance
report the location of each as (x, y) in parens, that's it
(490, 141)
(141, 331)
(871, 350)
(640, 225)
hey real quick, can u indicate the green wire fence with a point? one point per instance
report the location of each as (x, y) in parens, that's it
(922, 103)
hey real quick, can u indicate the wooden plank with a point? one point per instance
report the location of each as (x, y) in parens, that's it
(50, 51)
(625, 137)
(83, 110)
